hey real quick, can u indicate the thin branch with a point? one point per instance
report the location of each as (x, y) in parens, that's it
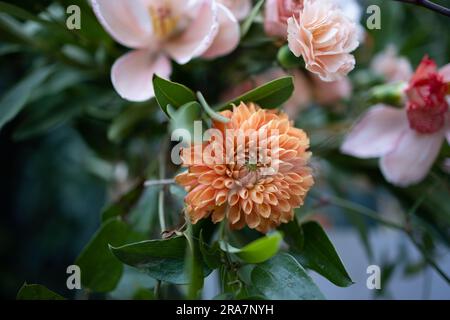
(162, 182)
(428, 5)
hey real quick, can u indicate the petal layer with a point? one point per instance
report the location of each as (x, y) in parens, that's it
(376, 133)
(132, 74)
(412, 157)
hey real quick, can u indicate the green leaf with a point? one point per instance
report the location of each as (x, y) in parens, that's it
(161, 259)
(46, 115)
(37, 292)
(318, 254)
(168, 92)
(293, 234)
(251, 17)
(283, 278)
(257, 251)
(17, 97)
(100, 269)
(184, 118)
(270, 95)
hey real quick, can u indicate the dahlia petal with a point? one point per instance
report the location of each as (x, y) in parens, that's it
(126, 21)
(198, 37)
(234, 214)
(218, 214)
(132, 74)
(376, 133)
(411, 158)
(253, 219)
(228, 35)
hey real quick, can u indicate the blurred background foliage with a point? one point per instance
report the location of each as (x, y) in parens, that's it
(70, 145)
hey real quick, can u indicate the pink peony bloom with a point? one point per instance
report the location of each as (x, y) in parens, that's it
(406, 140)
(240, 8)
(159, 29)
(324, 37)
(277, 13)
(392, 67)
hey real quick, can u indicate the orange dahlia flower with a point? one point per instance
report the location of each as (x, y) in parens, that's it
(247, 189)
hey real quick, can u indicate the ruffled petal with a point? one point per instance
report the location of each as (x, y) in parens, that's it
(132, 74)
(376, 133)
(412, 157)
(228, 36)
(127, 21)
(199, 35)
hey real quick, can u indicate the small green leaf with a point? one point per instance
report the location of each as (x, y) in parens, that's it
(37, 292)
(100, 269)
(283, 278)
(270, 95)
(251, 17)
(257, 251)
(17, 97)
(161, 259)
(184, 118)
(168, 92)
(318, 254)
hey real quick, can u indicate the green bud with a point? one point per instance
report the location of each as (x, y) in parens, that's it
(287, 59)
(390, 93)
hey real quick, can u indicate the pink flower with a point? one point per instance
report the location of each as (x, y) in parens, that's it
(392, 67)
(159, 29)
(277, 13)
(327, 93)
(324, 37)
(406, 140)
(240, 8)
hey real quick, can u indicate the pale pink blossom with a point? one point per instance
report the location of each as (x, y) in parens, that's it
(407, 140)
(158, 30)
(325, 38)
(390, 66)
(277, 12)
(240, 8)
(327, 93)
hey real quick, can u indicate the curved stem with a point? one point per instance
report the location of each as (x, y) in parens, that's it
(429, 5)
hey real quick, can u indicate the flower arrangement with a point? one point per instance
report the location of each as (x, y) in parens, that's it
(228, 138)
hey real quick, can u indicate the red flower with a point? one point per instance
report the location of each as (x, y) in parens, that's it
(426, 102)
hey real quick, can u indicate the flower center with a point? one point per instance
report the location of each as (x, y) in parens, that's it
(163, 21)
(426, 105)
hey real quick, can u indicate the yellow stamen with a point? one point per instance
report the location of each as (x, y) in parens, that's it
(163, 22)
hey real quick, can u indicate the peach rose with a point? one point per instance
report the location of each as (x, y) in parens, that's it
(324, 36)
